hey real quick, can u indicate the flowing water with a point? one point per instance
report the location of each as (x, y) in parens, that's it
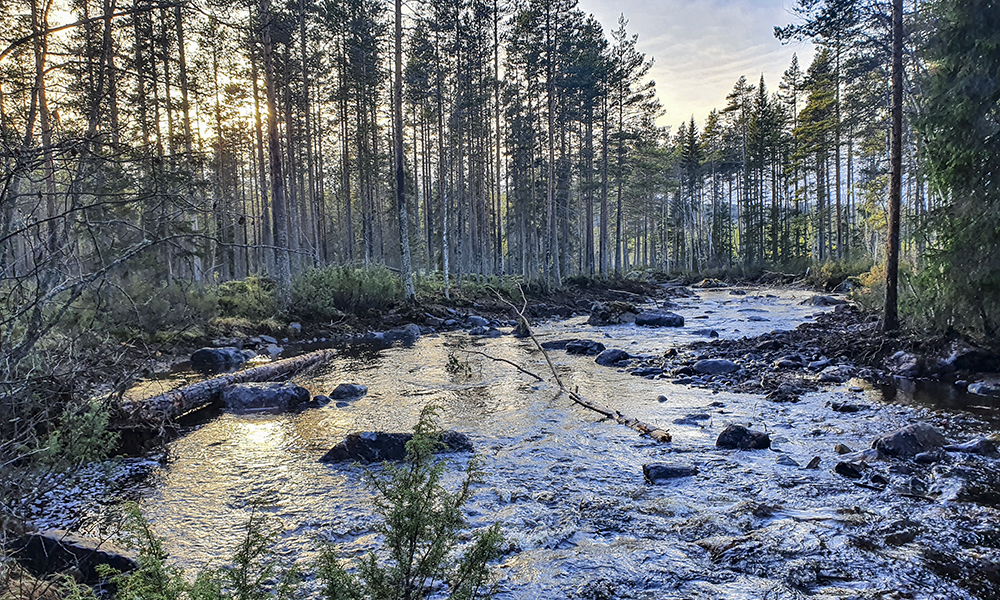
(568, 489)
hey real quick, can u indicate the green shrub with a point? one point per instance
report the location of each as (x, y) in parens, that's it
(326, 294)
(253, 298)
(421, 525)
(255, 572)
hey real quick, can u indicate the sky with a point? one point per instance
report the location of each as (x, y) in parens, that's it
(701, 47)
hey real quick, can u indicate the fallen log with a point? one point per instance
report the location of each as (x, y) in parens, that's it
(175, 403)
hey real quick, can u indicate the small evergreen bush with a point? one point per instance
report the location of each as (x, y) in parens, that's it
(253, 298)
(421, 525)
(326, 294)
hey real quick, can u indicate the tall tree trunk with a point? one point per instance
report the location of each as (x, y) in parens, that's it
(283, 273)
(404, 222)
(890, 319)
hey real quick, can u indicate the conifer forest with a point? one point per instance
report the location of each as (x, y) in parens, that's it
(205, 141)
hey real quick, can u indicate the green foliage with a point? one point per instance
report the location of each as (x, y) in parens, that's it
(255, 573)
(421, 524)
(250, 298)
(139, 309)
(326, 294)
(960, 123)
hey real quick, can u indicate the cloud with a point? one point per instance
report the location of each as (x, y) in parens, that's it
(701, 47)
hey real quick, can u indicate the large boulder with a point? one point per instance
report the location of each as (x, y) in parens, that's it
(740, 438)
(611, 356)
(584, 347)
(612, 313)
(264, 396)
(910, 440)
(374, 446)
(215, 359)
(659, 319)
(56, 551)
(715, 366)
(348, 390)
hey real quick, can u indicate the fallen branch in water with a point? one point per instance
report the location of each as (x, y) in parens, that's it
(175, 403)
(660, 435)
(504, 360)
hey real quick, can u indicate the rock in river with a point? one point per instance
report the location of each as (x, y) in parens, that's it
(217, 358)
(611, 356)
(659, 319)
(373, 446)
(612, 313)
(585, 347)
(348, 390)
(740, 438)
(264, 396)
(657, 473)
(910, 441)
(715, 366)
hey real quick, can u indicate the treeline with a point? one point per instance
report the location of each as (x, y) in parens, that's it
(207, 140)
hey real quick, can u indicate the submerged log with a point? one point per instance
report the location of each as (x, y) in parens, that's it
(175, 403)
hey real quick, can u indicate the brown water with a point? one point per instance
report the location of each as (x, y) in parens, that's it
(568, 488)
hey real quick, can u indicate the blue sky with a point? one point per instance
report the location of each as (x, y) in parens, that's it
(701, 47)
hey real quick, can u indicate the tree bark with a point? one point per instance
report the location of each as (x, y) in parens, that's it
(890, 319)
(404, 222)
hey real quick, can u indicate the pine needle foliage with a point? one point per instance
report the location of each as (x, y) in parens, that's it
(422, 523)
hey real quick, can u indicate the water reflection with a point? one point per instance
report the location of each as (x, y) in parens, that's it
(568, 488)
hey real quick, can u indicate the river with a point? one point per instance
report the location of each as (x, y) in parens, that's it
(567, 487)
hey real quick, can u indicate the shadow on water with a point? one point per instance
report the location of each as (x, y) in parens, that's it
(941, 395)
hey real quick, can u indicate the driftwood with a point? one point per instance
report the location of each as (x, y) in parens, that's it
(175, 403)
(660, 435)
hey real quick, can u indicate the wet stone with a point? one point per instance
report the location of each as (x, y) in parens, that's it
(842, 449)
(373, 446)
(342, 404)
(981, 446)
(929, 458)
(658, 473)
(584, 347)
(264, 396)
(477, 321)
(845, 407)
(715, 366)
(348, 390)
(683, 381)
(217, 358)
(910, 441)
(985, 388)
(836, 374)
(659, 319)
(647, 371)
(786, 461)
(740, 438)
(849, 470)
(813, 463)
(611, 356)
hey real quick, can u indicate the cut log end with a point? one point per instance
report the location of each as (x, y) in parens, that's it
(660, 436)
